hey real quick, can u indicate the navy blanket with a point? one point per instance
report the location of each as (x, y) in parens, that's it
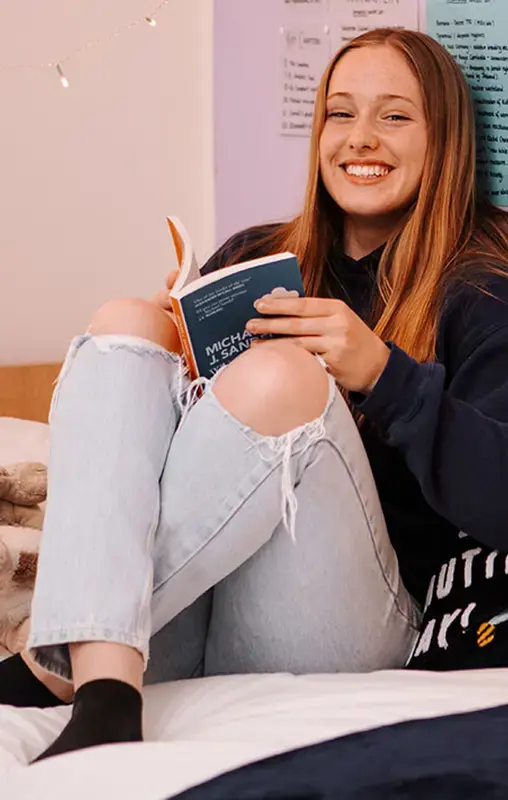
(459, 757)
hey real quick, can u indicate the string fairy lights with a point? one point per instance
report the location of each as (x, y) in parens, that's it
(58, 65)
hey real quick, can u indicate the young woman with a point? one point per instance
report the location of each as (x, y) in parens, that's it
(293, 519)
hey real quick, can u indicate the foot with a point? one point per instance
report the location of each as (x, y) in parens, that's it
(20, 687)
(105, 711)
(62, 690)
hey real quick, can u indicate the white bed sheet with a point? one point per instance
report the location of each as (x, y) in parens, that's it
(198, 729)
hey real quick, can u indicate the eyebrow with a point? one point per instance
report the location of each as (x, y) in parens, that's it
(378, 97)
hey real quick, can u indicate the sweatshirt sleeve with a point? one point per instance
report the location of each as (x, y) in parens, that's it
(452, 432)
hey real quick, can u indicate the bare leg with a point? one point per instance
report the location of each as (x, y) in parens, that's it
(287, 388)
(95, 660)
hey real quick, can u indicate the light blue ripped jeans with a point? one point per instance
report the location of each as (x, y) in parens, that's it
(203, 544)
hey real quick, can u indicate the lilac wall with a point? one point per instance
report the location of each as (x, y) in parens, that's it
(259, 175)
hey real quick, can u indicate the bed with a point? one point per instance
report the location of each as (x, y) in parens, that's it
(197, 730)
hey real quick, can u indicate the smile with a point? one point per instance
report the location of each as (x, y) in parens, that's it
(367, 171)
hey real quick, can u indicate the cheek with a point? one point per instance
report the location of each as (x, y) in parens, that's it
(329, 149)
(323, 154)
(324, 160)
(329, 145)
(417, 175)
(417, 154)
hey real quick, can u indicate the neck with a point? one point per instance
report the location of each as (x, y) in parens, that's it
(362, 236)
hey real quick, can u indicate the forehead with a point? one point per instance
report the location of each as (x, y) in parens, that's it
(375, 70)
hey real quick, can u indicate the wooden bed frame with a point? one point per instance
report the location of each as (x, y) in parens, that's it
(25, 391)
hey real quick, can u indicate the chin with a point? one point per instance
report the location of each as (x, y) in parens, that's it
(369, 211)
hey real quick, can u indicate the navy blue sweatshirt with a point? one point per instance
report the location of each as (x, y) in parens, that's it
(436, 434)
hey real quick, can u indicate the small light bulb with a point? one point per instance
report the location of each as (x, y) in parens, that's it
(63, 79)
(151, 21)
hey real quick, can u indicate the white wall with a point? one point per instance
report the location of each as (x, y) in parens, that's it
(87, 174)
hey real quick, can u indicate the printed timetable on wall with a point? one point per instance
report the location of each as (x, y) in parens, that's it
(476, 34)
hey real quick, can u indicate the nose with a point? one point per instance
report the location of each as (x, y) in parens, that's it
(362, 135)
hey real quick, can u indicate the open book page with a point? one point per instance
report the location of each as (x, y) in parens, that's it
(186, 258)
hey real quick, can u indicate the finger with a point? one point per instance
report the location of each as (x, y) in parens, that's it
(170, 280)
(298, 306)
(163, 300)
(313, 344)
(290, 326)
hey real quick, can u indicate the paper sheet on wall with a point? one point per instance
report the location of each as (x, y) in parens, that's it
(311, 31)
(468, 31)
(350, 18)
(306, 52)
(304, 9)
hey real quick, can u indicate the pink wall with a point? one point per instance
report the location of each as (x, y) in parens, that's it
(87, 174)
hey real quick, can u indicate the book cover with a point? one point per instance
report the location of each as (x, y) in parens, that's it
(211, 311)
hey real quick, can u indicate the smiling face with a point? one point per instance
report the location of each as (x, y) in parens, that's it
(373, 146)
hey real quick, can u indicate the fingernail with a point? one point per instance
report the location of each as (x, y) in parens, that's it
(260, 305)
(281, 292)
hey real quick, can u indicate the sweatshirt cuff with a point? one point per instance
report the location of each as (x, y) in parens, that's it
(398, 394)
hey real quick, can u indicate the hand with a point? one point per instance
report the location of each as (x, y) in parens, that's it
(162, 298)
(353, 353)
(163, 301)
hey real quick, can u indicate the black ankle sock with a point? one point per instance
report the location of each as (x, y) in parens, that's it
(104, 712)
(20, 687)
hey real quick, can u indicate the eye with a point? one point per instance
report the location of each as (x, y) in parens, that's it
(339, 115)
(397, 118)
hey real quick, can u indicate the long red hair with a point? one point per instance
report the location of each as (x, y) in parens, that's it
(447, 233)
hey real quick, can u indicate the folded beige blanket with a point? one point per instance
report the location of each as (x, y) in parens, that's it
(23, 487)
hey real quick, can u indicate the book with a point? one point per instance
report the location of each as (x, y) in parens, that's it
(211, 311)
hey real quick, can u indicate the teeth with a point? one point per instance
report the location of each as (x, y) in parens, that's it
(374, 171)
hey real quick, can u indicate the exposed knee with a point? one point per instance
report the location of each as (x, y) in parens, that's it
(274, 388)
(136, 317)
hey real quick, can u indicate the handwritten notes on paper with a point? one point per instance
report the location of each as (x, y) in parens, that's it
(306, 54)
(350, 18)
(306, 9)
(311, 31)
(476, 34)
